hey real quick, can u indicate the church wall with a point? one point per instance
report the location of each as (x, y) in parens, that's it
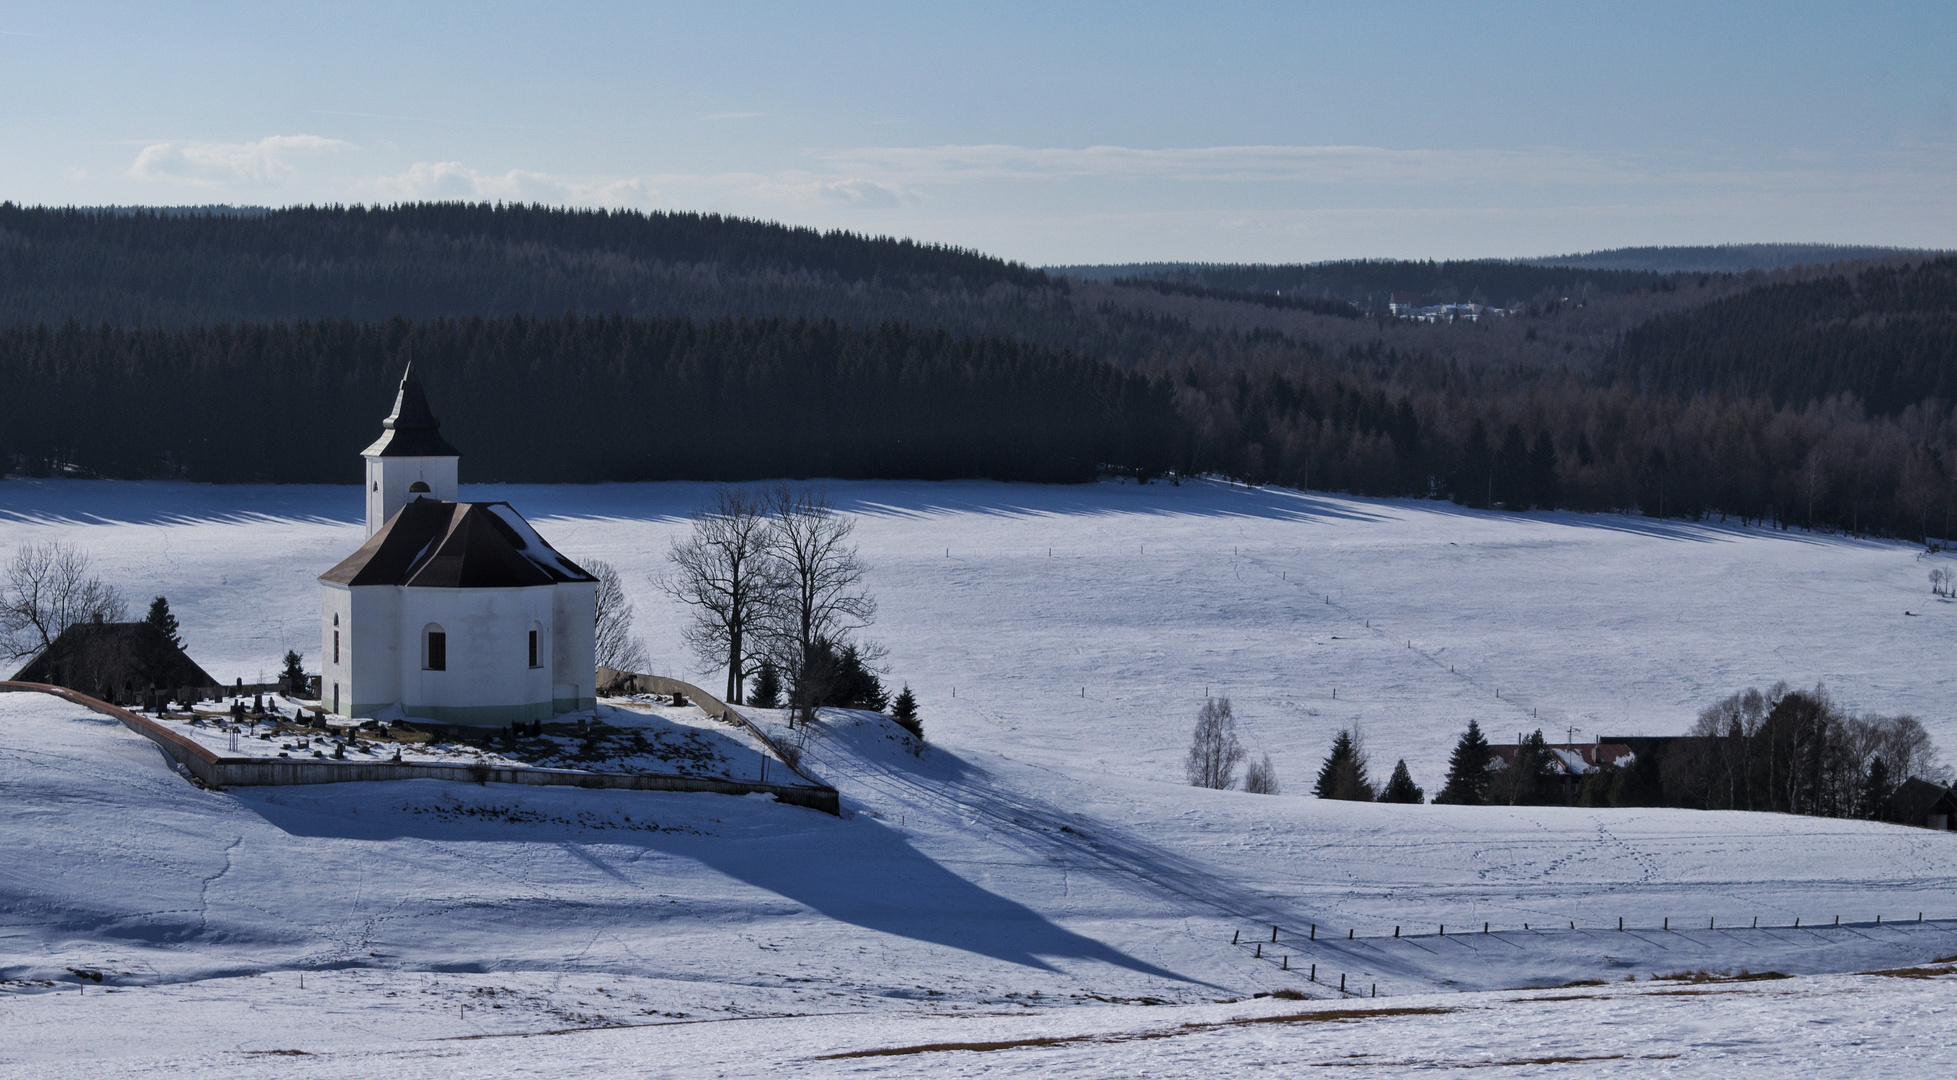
(574, 674)
(488, 680)
(367, 673)
(388, 480)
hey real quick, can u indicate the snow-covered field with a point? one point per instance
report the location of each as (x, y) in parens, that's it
(1042, 870)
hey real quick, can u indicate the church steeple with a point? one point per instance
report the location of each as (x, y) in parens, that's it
(410, 460)
(411, 430)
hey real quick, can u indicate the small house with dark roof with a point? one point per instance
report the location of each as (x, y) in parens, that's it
(115, 661)
(455, 612)
(1922, 803)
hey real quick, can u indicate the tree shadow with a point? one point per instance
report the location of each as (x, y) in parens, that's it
(857, 871)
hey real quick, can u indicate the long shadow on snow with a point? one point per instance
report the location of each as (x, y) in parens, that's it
(880, 881)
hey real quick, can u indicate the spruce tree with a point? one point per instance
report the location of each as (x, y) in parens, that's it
(1467, 770)
(904, 711)
(164, 623)
(294, 675)
(1343, 775)
(1876, 792)
(1401, 788)
(766, 692)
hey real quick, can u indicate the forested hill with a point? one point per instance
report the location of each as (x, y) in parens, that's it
(1368, 283)
(1724, 258)
(433, 260)
(1886, 334)
(574, 399)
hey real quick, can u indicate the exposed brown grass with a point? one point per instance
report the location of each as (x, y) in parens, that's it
(1925, 972)
(1321, 1016)
(1722, 976)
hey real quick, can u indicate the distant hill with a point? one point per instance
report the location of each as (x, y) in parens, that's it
(1369, 283)
(1722, 258)
(1886, 334)
(193, 265)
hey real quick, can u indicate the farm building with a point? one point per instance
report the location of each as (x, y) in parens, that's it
(115, 661)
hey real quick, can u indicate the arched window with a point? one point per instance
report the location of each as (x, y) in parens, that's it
(434, 648)
(417, 488)
(536, 635)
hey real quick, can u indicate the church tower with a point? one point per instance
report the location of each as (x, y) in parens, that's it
(410, 460)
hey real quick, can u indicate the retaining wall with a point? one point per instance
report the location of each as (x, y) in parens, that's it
(218, 771)
(612, 680)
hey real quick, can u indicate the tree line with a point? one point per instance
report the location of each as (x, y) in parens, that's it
(1780, 750)
(1523, 440)
(428, 260)
(574, 399)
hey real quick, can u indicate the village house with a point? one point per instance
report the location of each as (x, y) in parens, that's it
(454, 612)
(117, 662)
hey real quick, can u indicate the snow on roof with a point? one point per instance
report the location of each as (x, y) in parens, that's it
(1572, 761)
(533, 547)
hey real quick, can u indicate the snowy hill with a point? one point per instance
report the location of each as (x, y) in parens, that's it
(1044, 852)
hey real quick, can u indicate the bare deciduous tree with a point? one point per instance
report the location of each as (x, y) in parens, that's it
(1261, 777)
(1214, 750)
(727, 570)
(613, 643)
(48, 589)
(821, 602)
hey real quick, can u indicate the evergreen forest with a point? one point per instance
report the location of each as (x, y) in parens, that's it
(230, 345)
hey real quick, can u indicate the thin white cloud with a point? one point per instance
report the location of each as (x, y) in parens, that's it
(451, 180)
(268, 161)
(853, 191)
(1524, 168)
(1324, 164)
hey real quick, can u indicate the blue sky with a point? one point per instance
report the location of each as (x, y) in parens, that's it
(1042, 132)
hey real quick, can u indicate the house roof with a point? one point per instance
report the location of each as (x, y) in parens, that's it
(1916, 799)
(411, 430)
(94, 655)
(432, 543)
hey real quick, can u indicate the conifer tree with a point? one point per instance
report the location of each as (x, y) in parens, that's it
(1401, 788)
(1876, 792)
(1532, 779)
(904, 711)
(294, 675)
(766, 692)
(1467, 770)
(1343, 775)
(164, 623)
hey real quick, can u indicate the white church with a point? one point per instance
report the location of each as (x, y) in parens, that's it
(457, 612)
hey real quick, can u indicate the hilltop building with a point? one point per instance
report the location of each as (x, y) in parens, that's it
(456, 612)
(115, 662)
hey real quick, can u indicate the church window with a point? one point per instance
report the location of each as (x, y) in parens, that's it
(417, 488)
(336, 646)
(437, 651)
(533, 648)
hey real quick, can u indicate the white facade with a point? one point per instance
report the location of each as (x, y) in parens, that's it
(486, 678)
(394, 482)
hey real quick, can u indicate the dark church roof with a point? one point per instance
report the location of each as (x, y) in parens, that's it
(411, 430)
(92, 656)
(430, 543)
